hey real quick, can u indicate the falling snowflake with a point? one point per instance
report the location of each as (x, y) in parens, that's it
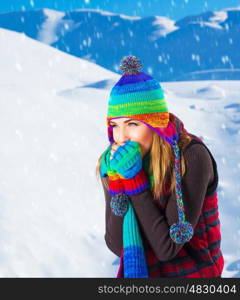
(32, 3)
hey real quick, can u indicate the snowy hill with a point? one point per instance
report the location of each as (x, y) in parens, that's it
(50, 221)
(171, 50)
(52, 128)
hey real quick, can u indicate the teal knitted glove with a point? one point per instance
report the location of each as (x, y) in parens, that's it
(104, 168)
(115, 184)
(127, 160)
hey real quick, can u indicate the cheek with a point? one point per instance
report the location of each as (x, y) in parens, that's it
(115, 138)
(144, 138)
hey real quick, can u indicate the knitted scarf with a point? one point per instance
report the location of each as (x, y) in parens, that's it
(132, 261)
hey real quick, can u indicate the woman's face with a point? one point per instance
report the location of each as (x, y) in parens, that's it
(129, 129)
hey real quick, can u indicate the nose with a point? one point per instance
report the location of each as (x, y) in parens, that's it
(122, 136)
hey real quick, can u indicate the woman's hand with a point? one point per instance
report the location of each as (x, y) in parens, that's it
(105, 167)
(123, 165)
(106, 157)
(114, 148)
(115, 184)
(126, 159)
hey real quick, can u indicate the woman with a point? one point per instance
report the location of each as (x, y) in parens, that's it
(160, 186)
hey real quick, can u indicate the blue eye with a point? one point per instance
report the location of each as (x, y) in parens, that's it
(130, 123)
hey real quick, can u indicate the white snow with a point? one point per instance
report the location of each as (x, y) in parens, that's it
(47, 32)
(210, 92)
(50, 224)
(237, 8)
(102, 12)
(52, 129)
(132, 18)
(219, 16)
(212, 24)
(108, 13)
(164, 26)
(207, 24)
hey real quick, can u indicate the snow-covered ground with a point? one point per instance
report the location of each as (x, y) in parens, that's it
(52, 131)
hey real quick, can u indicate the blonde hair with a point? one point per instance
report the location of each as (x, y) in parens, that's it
(161, 164)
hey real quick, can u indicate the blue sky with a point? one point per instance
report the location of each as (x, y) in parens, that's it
(174, 9)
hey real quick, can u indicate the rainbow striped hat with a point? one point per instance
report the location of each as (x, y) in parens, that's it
(139, 96)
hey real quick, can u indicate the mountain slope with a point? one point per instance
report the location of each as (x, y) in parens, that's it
(170, 50)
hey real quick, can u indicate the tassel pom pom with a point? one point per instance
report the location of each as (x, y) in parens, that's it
(131, 65)
(119, 204)
(181, 232)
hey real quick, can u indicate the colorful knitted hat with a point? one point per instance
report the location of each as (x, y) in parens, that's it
(139, 96)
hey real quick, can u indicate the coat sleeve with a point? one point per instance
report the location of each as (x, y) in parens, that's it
(155, 224)
(113, 226)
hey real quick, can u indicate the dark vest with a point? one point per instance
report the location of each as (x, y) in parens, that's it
(201, 256)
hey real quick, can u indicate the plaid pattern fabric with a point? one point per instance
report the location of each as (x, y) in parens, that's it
(201, 257)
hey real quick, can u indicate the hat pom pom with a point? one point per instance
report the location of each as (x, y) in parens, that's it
(181, 232)
(131, 65)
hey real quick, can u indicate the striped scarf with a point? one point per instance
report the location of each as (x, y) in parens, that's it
(133, 261)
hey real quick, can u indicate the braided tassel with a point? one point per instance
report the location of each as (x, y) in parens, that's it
(181, 231)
